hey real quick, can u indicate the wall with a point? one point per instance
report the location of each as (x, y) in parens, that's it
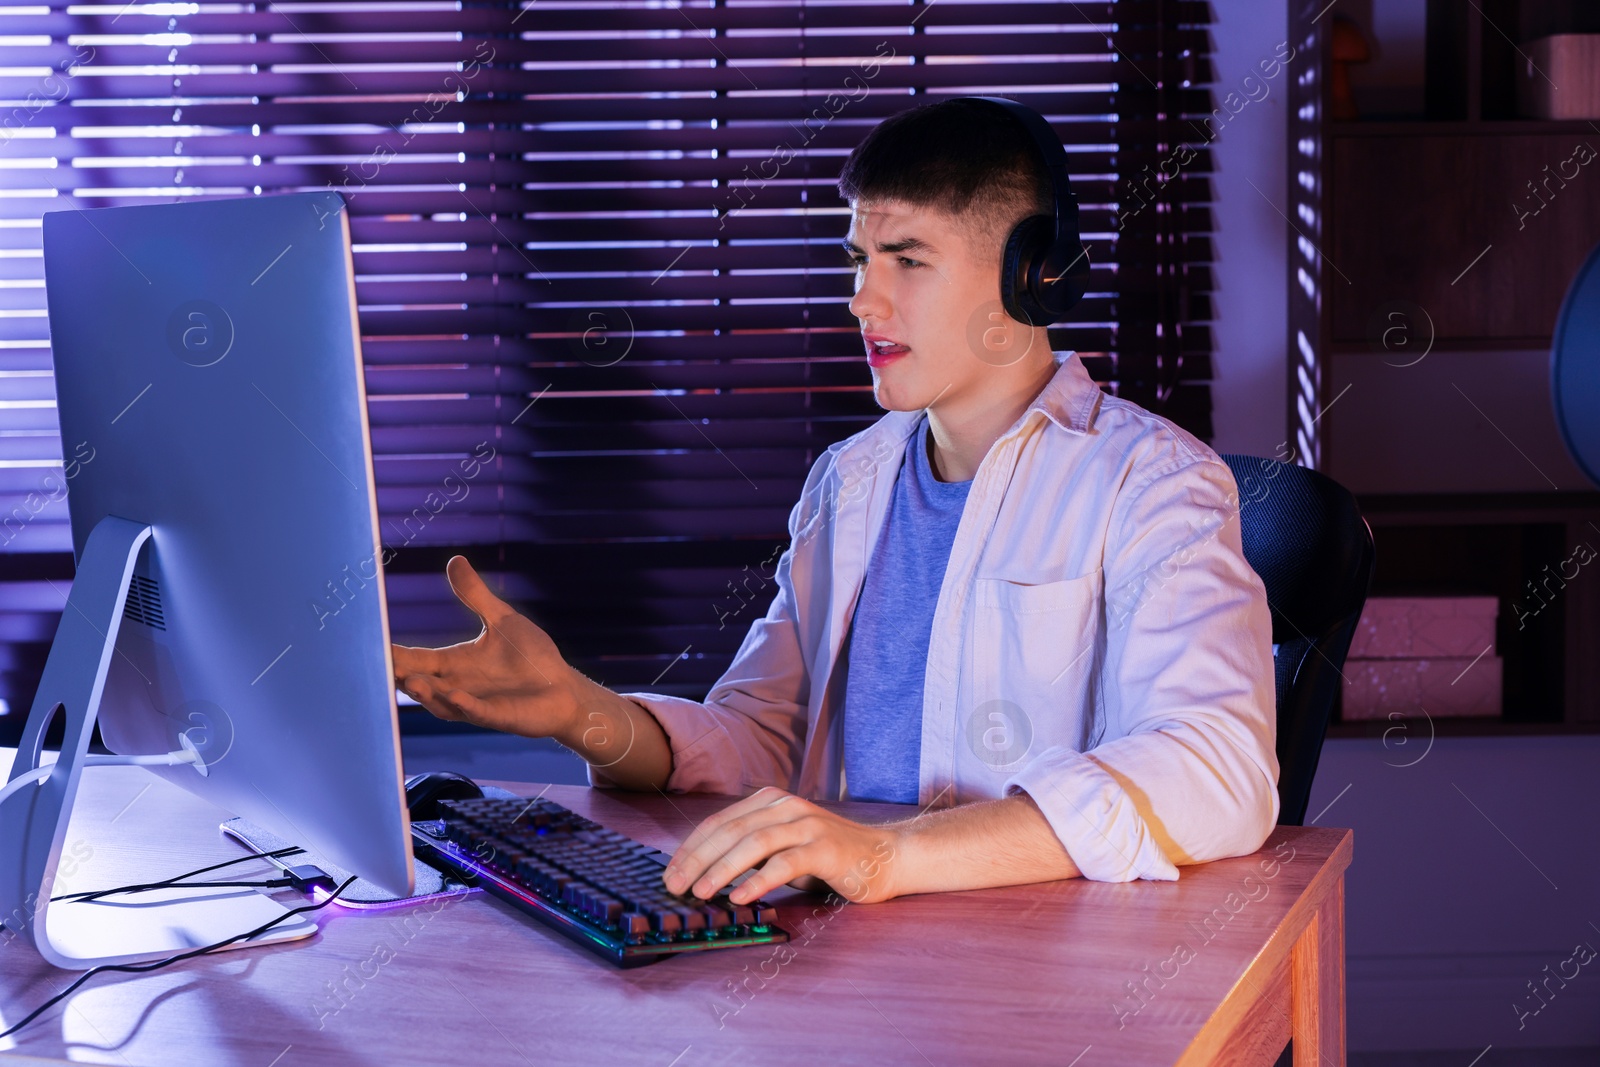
(1250, 384)
(1475, 868)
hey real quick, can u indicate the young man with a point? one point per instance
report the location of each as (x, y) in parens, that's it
(1014, 600)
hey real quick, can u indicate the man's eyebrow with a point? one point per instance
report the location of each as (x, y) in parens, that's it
(907, 244)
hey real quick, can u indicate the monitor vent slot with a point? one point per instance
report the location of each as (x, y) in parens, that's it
(144, 603)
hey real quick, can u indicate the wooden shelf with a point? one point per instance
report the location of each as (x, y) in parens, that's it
(1435, 509)
(1417, 729)
(1460, 128)
(1536, 348)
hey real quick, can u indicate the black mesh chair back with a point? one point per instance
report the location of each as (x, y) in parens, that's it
(1305, 537)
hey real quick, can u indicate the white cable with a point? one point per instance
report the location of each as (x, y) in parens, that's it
(39, 774)
(167, 759)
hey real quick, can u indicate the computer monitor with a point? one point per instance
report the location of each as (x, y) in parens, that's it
(210, 388)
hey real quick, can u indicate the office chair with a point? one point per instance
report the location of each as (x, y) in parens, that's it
(1305, 537)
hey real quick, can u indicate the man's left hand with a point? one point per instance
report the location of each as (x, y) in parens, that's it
(800, 843)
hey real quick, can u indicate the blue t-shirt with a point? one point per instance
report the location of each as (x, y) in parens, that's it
(891, 627)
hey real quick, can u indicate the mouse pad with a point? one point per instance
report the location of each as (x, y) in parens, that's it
(429, 881)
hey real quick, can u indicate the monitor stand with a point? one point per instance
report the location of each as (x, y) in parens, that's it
(33, 821)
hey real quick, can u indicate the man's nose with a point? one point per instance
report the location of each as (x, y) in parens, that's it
(869, 301)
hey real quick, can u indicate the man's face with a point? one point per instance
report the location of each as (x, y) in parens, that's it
(927, 294)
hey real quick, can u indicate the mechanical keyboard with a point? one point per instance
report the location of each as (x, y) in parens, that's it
(596, 886)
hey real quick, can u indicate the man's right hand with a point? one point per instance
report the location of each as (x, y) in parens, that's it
(511, 678)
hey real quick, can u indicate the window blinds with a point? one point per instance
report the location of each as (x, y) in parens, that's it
(602, 298)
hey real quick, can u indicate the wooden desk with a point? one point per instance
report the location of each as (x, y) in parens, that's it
(1026, 974)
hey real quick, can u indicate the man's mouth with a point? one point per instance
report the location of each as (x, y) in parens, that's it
(882, 350)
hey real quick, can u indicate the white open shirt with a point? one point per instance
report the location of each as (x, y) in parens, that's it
(1099, 641)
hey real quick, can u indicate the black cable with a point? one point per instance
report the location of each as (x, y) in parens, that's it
(165, 883)
(96, 894)
(153, 965)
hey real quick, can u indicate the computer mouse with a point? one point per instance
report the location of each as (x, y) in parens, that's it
(424, 791)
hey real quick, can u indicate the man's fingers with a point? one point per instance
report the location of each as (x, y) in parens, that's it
(720, 834)
(470, 707)
(408, 660)
(472, 591)
(424, 692)
(686, 852)
(791, 865)
(757, 847)
(764, 797)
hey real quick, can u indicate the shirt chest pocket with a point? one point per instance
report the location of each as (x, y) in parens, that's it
(1033, 642)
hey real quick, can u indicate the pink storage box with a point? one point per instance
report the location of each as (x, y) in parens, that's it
(1398, 627)
(1443, 687)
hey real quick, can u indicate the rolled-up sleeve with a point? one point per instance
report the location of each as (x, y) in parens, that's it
(750, 730)
(1187, 771)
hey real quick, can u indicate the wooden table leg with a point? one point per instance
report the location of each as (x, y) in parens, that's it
(1316, 970)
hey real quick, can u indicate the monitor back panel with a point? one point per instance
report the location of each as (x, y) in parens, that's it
(209, 381)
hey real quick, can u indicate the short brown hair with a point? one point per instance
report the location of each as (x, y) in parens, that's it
(966, 158)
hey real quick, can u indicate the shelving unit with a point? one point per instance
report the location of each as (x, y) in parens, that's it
(1421, 312)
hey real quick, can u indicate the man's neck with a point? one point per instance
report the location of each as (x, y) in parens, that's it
(962, 435)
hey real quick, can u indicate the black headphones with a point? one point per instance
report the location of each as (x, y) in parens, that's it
(1044, 268)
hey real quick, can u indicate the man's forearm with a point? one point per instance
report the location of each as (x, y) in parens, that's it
(619, 737)
(977, 846)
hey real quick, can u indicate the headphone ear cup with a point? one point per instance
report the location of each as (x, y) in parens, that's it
(1025, 247)
(1074, 281)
